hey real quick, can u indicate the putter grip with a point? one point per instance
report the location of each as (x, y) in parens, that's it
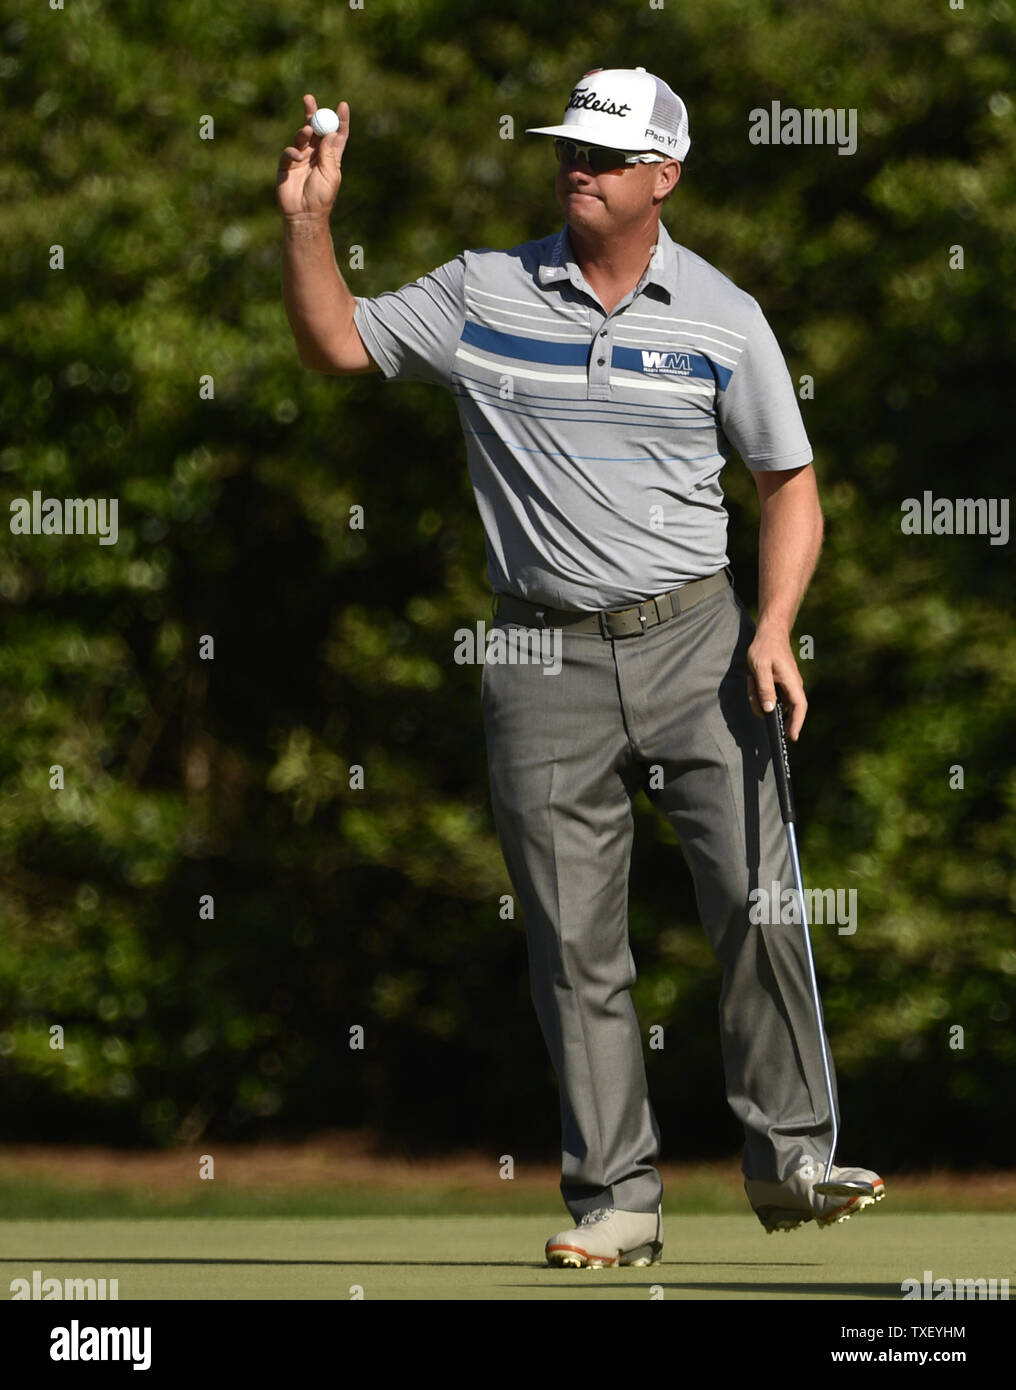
(781, 762)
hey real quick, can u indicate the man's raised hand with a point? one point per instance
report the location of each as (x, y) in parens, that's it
(310, 170)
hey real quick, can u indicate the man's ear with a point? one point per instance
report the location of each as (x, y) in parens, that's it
(667, 176)
(670, 172)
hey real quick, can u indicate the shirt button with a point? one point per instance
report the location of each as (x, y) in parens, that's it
(603, 332)
(601, 361)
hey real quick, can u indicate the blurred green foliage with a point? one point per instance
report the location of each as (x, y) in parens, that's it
(337, 907)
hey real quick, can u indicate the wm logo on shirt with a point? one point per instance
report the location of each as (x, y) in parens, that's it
(661, 363)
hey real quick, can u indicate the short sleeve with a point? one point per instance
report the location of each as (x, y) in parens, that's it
(412, 333)
(758, 412)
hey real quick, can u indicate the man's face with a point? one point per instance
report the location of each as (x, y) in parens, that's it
(614, 202)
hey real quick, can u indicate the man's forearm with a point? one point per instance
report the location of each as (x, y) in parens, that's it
(318, 303)
(790, 538)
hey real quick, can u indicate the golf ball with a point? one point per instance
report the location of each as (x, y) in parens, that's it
(324, 121)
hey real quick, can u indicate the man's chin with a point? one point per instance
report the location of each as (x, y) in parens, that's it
(583, 208)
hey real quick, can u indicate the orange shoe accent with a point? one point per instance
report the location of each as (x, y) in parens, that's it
(575, 1250)
(856, 1203)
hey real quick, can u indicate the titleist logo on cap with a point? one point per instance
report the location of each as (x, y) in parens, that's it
(582, 99)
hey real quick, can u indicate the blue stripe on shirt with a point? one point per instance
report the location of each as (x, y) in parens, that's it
(510, 345)
(514, 347)
(633, 360)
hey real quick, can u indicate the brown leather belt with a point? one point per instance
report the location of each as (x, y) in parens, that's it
(613, 622)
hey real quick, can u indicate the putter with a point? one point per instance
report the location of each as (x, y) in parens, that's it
(781, 767)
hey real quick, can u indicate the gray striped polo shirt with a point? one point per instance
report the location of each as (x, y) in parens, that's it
(594, 441)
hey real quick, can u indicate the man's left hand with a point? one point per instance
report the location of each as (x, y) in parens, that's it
(774, 670)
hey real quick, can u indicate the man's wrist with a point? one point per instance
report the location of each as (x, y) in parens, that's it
(774, 624)
(302, 225)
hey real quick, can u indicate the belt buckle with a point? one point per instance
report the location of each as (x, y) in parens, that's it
(611, 612)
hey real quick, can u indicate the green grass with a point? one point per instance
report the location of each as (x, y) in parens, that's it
(689, 1192)
(55, 1197)
(501, 1257)
(209, 1200)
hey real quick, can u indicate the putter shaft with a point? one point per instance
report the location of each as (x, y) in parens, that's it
(781, 764)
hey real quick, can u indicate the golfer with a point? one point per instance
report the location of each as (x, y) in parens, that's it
(603, 376)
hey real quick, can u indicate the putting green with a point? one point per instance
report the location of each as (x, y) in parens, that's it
(501, 1257)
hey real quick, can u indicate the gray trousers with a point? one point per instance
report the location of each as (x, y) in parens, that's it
(566, 754)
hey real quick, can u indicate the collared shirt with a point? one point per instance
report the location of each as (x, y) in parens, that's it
(594, 441)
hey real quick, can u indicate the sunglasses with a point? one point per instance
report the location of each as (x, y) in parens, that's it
(599, 157)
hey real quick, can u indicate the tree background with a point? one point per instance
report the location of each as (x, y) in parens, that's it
(380, 907)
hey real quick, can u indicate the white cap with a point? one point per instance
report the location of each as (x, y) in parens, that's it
(625, 109)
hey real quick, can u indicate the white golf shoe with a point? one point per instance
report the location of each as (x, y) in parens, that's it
(783, 1206)
(606, 1237)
